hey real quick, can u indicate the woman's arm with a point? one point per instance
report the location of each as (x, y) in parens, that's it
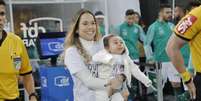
(90, 81)
(76, 66)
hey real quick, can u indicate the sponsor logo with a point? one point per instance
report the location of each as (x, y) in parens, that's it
(30, 33)
(185, 24)
(124, 32)
(61, 81)
(55, 46)
(32, 29)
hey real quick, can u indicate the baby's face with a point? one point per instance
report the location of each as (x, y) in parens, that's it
(116, 45)
(120, 77)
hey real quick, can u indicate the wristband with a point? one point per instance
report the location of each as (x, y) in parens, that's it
(33, 94)
(188, 81)
(186, 76)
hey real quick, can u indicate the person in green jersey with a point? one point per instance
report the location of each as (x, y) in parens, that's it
(155, 43)
(100, 21)
(131, 33)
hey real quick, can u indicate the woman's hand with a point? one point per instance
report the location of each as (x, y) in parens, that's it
(115, 83)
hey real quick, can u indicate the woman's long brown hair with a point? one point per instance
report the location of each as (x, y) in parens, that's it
(72, 38)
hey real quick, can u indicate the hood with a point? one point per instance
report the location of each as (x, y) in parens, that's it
(126, 49)
(103, 56)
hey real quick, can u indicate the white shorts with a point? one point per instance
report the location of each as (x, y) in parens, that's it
(169, 72)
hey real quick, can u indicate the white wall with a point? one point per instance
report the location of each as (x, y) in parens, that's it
(117, 9)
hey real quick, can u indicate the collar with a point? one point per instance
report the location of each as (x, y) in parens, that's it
(85, 42)
(128, 24)
(87, 45)
(162, 21)
(4, 35)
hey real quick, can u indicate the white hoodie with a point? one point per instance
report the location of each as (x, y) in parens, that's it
(107, 60)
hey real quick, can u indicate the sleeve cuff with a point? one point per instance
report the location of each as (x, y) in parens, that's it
(186, 39)
(186, 76)
(23, 74)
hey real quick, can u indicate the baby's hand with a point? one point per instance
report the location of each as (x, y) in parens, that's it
(115, 83)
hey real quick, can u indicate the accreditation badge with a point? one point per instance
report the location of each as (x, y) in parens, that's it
(17, 62)
(124, 32)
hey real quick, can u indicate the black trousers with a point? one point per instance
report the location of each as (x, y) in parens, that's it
(197, 82)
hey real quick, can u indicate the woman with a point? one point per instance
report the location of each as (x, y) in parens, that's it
(82, 42)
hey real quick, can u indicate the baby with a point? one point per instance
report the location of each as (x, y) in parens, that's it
(115, 62)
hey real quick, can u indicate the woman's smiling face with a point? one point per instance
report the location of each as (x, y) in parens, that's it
(87, 27)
